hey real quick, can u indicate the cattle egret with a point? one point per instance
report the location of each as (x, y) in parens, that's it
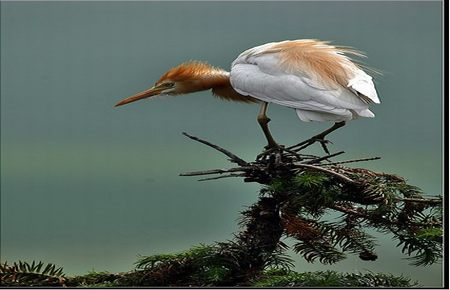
(320, 81)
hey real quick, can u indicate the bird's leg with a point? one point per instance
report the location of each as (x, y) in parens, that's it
(319, 138)
(263, 121)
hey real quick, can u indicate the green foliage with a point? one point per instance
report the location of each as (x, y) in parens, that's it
(310, 179)
(202, 265)
(381, 201)
(427, 250)
(430, 234)
(198, 255)
(332, 240)
(94, 279)
(272, 277)
(35, 274)
(296, 201)
(324, 252)
(277, 278)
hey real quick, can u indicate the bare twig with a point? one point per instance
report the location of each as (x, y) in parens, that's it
(305, 144)
(351, 161)
(425, 200)
(324, 157)
(223, 176)
(214, 171)
(347, 210)
(233, 158)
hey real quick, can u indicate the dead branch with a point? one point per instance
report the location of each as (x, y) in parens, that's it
(233, 158)
(214, 171)
(223, 176)
(352, 161)
(317, 160)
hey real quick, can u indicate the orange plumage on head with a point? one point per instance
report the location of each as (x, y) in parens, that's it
(190, 70)
(193, 76)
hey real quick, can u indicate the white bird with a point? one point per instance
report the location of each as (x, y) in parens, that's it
(320, 81)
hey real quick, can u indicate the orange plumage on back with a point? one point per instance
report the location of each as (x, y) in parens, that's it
(313, 56)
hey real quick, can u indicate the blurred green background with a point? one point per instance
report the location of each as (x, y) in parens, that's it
(89, 186)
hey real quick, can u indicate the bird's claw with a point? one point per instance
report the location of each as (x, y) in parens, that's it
(323, 142)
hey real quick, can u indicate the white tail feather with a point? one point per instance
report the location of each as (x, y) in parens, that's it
(308, 116)
(363, 84)
(365, 113)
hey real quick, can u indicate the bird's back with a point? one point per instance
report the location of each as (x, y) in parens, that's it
(319, 80)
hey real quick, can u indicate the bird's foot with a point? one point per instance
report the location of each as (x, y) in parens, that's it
(318, 138)
(323, 142)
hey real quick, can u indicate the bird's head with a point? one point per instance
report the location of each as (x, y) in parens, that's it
(185, 78)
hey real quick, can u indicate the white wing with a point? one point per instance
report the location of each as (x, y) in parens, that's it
(260, 75)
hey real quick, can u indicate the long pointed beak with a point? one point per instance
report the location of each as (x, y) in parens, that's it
(142, 95)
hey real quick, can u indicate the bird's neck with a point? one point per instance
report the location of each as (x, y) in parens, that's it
(226, 92)
(218, 81)
(213, 79)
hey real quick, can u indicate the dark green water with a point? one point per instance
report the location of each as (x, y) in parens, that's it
(88, 186)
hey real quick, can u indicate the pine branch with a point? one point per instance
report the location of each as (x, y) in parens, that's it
(331, 172)
(34, 274)
(312, 185)
(298, 191)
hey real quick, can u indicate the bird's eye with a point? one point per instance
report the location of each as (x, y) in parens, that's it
(169, 85)
(165, 85)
